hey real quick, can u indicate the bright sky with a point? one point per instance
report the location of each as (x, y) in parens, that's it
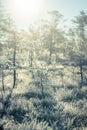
(69, 8)
(38, 8)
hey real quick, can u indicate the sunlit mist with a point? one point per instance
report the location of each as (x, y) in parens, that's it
(26, 11)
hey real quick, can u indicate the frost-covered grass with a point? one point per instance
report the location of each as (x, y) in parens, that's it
(63, 106)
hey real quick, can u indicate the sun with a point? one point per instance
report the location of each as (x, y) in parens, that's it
(30, 7)
(26, 11)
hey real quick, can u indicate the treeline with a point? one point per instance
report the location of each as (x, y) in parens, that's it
(38, 51)
(43, 43)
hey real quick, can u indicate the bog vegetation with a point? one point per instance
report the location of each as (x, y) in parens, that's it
(43, 75)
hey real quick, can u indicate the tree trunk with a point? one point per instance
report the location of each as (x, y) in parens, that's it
(42, 85)
(50, 56)
(14, 65)
(3, 88)
(81, 71)
(14, 78)
(50, 48)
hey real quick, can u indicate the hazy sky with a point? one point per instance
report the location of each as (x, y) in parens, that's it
(68, 8)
